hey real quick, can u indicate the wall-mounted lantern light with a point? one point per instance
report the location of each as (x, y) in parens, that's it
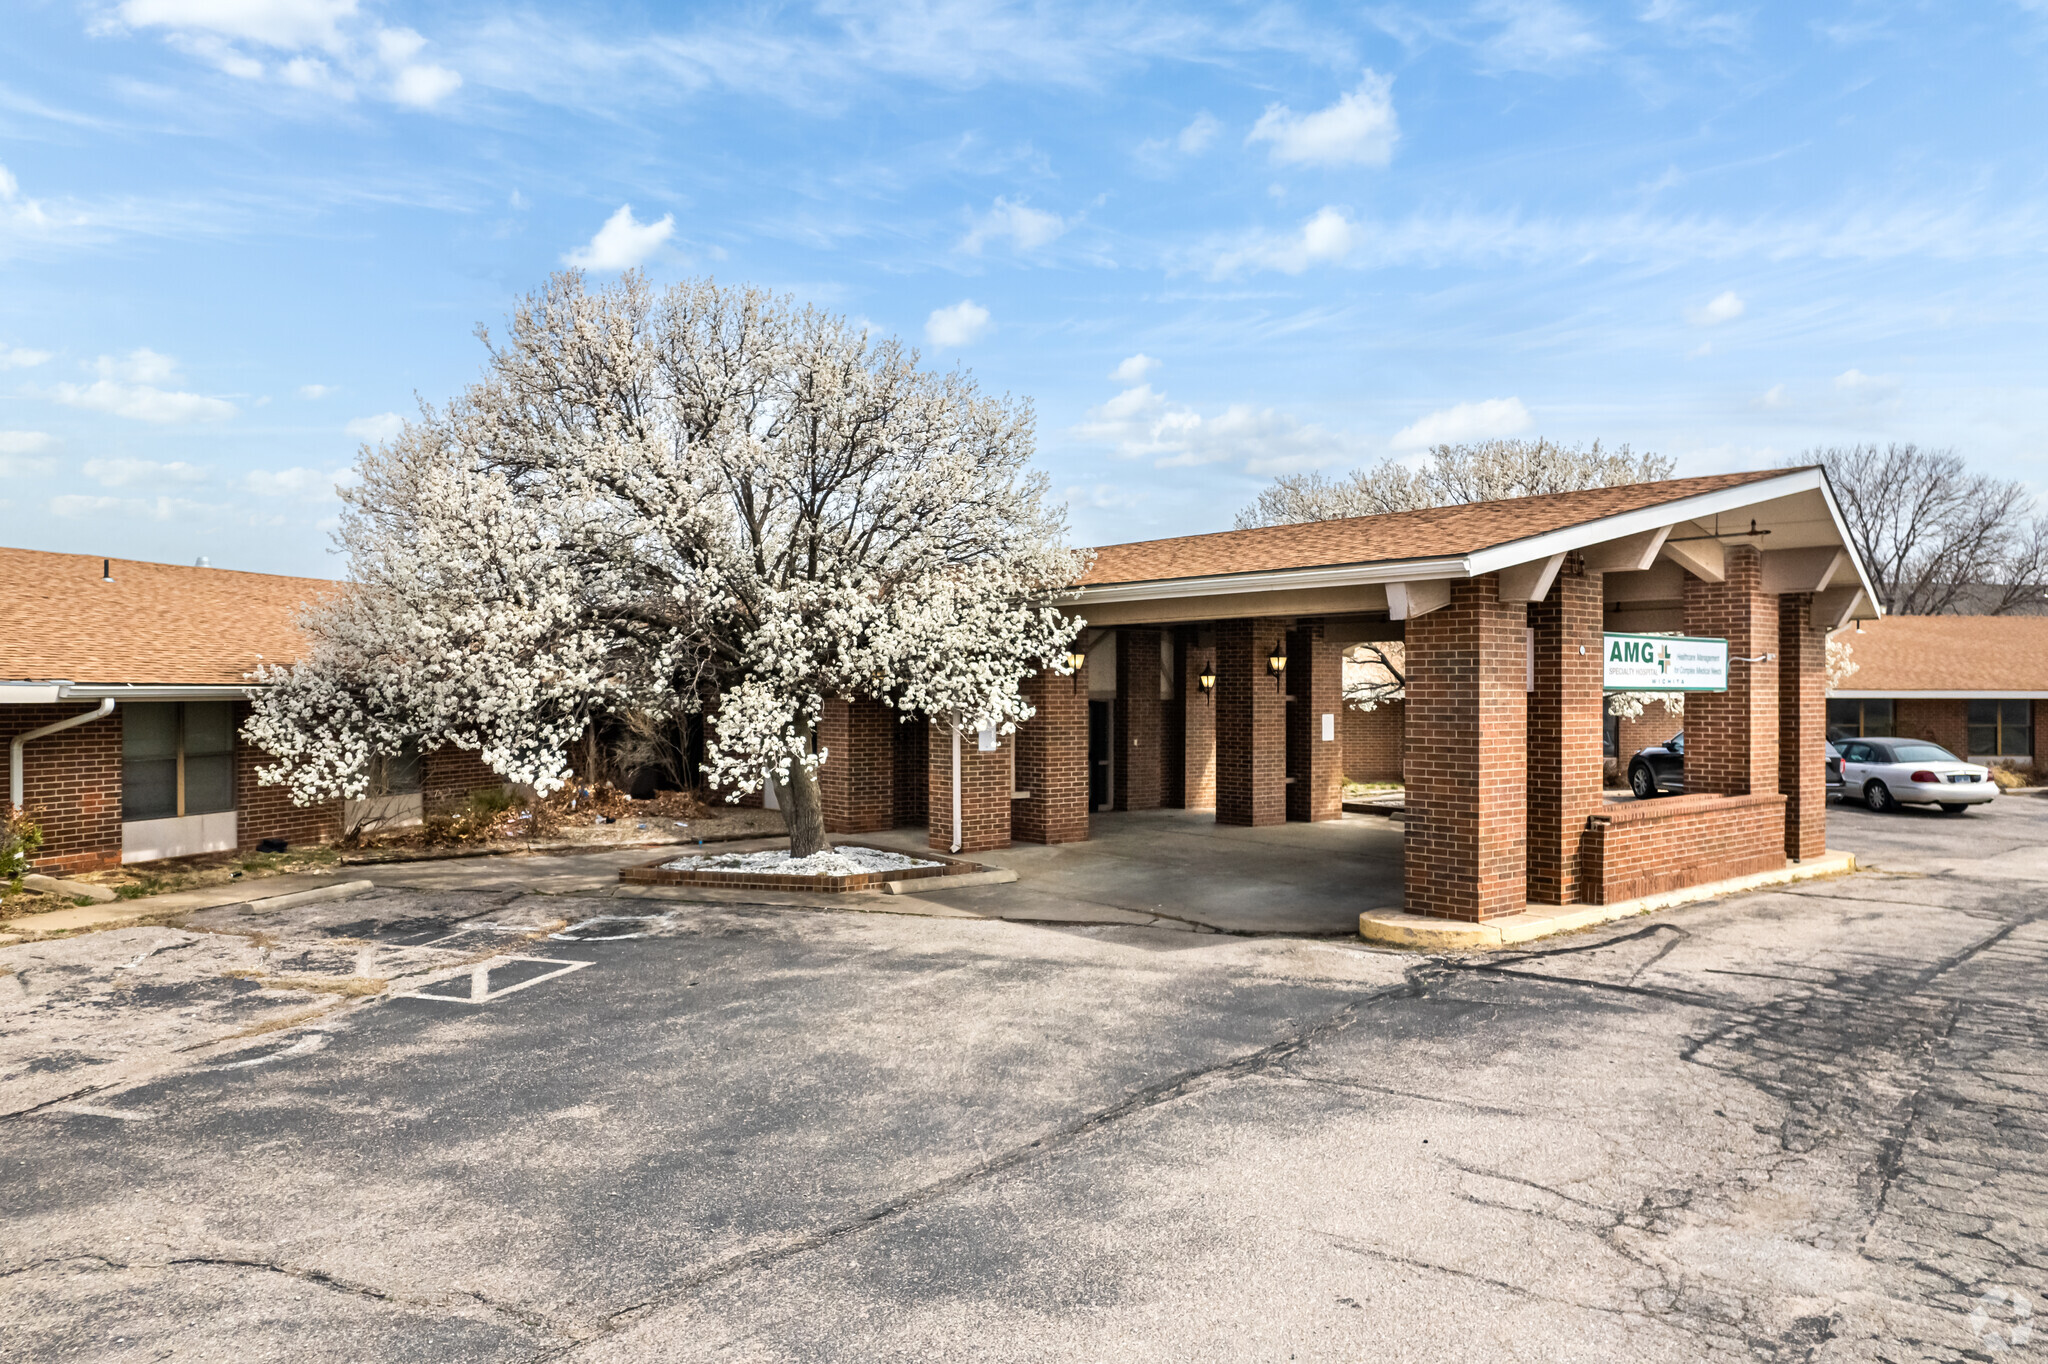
(1276, 662)
(1206, 679)
(1076, 660)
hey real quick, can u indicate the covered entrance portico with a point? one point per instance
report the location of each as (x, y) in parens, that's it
(1213, 671)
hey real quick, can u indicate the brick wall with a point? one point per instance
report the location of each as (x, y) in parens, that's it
(1648, 730)
(1731, 737)
(1943, 722)
(1465, 835)
(1315, 768)
(1251, 725)
(449, 774)
(1189, 776)
(984, 792)
(71, 784)
(1052, 761)
(1135, 775)
(857, 784)
(1564, 759)
(267, 811)
(1802, 726)
(1647, 847)
(1372, 741)
(909, 741)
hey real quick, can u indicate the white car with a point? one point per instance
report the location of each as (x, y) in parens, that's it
(1889, 773)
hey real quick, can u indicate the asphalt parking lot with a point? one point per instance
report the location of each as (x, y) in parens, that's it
(1802, 1124)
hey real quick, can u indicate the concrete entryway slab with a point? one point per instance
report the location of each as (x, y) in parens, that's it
(1166, 868)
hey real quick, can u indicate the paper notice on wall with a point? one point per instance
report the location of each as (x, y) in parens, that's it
(985, 741)
(1665, 663)
(1329, 728)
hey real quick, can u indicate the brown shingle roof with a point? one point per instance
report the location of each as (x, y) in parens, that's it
(155, 623)
(1439, 532)
(1948, 653)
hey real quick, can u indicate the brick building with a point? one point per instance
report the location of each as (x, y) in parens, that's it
(122, 698)
(1210, 677)
(1976, 685)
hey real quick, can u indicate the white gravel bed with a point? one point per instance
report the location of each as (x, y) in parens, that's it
(838, 862)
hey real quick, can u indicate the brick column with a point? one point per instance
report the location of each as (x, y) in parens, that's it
(857, 784)
(1251, 725)
(1135, 773)
(1052, 761)
(1802, 725)
(1565, 764)
(1465, 835)
(1315, 766)
(984, 792)
(1731, 737)
(1190, 773)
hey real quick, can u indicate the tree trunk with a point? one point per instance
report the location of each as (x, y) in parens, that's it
(803, 807)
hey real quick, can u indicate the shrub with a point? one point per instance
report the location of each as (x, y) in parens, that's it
(20, 836)
(2008, 777)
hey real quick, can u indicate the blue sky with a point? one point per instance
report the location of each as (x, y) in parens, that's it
(1210, 243)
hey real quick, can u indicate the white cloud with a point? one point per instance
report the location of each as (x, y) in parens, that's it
(129, 386)
(17, 454)
(1139, 423)
(424, 86)
(314, 391)
(397, 46)
(20, 357)
(384, 426)
(1536, 35)
(957, 325)
(1104, 496)
(1866, 387)
(1774, 397)
(285, 24)
(1725, 306)
(23, 442)
(1134, 368)
(1198, 134)
(121, 473)
(80, 505)
(1027, 228)
(298, 484)
(623, 242)
(1359, 129)
(1327, 238)
(1467, 421)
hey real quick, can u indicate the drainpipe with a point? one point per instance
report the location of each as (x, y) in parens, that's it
(14, 749)
(956, 787)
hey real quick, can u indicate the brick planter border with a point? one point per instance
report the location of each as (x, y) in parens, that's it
(657, 873)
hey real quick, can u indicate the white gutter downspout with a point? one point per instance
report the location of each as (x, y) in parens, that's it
(14, 749)
(956, 786)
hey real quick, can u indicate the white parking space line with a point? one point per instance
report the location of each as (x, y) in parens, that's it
(480, 991)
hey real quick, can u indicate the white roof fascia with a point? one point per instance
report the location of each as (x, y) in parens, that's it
(167, 691)
(1278, 580)
(31, 693)
(1980, 694)
(1654, 518)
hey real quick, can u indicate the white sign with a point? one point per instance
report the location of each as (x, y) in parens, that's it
(1665, 663)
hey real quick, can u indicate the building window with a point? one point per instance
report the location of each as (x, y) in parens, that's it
(396, 774)
(1857, 719)
(177, 759)
(1610, 734)
(2001, 729)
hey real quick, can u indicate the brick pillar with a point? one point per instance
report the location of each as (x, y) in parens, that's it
(857, 784)
(1565, 764)
(910, 739)
(984, 792)
(1802, 725)
(1135, 773)
(1465, 835)
(1731, 737)
(1251, 725)
(1315, 765)
(1052, 761)
(1190, 773)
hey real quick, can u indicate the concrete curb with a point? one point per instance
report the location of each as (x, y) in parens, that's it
(1000, 876)
(75, 889)
(341, 890)
(1396, 929)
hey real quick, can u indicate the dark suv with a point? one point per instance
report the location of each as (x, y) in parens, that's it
(1657, 770)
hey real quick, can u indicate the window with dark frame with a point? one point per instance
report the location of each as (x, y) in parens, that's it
(1855, 719)
(177, 759)
(2001, 729)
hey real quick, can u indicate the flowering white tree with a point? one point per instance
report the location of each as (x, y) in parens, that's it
(710, 500)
